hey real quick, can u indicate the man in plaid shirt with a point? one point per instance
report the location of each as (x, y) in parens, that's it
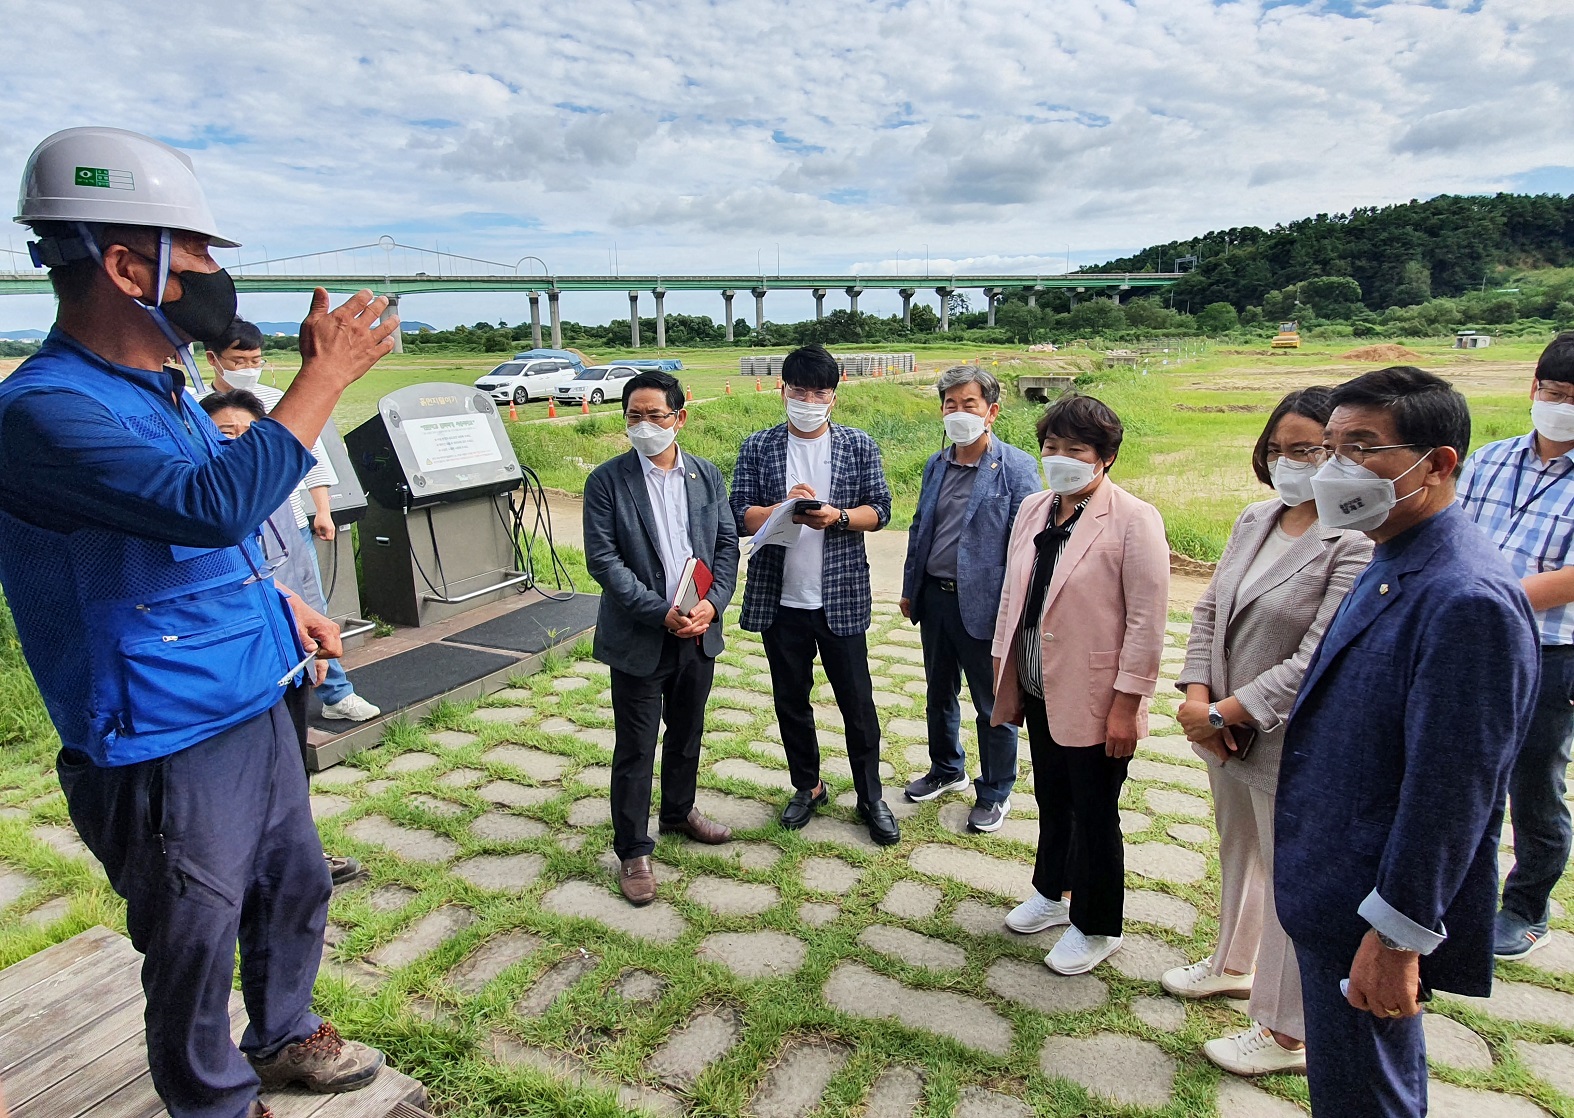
(1520, 491)
(814, 595)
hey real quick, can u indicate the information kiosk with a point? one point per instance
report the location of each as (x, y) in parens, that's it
(336, 557)
(440, 534)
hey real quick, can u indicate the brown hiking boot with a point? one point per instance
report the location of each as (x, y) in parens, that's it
(698, 828)
(324, 1062)
(637, 880)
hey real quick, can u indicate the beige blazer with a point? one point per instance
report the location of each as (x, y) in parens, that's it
(1103, 624)
(1254, 642)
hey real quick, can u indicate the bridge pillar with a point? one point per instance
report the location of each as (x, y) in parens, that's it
(945, 307)
(393, 311)
(991, 297)
(535, 319)
(759, 308)
(557, 325)
(1032, 295)
(852, 294)
(819, 303)
(726, 302)
(661, 317)
(633, 319)
(907, 294)
(1073, 296)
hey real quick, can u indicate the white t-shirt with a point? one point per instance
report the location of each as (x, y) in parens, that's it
(300, 500)
(1267, 555)
(808, 463)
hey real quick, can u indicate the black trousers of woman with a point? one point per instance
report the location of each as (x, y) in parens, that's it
(1080, 847)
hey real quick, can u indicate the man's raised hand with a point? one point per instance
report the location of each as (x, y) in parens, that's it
(344, 343)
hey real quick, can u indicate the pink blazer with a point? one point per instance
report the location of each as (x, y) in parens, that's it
(1104, 614)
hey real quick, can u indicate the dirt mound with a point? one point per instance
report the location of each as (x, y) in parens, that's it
(1387, 352)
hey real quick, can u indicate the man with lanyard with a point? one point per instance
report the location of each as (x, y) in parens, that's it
(162, 650)
(1520, 491)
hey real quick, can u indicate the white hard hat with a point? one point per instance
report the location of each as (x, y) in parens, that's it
(114, 177)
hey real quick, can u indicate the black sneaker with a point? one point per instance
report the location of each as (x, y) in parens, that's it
(929, 786)
(988, 817)
(342, 869)
(801, 808)
(1514, 938)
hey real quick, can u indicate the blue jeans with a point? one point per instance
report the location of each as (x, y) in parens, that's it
(1358, 1065)
(1542, 830)
(950, 651)
(336, 686)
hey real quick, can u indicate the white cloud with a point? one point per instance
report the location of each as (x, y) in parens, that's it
(697, 133)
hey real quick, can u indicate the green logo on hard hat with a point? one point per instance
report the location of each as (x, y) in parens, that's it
(105, 179)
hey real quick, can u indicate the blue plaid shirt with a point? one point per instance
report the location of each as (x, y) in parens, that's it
(1526, 507)
(760, 478)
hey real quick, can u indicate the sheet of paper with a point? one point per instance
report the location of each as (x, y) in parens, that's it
(778, 529)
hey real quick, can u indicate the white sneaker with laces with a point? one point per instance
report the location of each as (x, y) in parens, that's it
(1037, 913)
(1254, 1052)
(1077, 953)
(1199, 981)
(352, 707)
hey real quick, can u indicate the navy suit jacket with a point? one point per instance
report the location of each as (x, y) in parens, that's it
(1399, 748)
(1007, 476)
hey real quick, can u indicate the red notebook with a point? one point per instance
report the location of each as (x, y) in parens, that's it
(694, 584)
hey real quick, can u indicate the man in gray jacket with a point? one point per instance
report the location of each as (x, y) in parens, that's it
(956, 561)
(647, 513)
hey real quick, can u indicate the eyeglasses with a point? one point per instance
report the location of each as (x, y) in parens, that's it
(633, 417)
(1553, 395)
(245, 363)
(1354, 454)
(1310, 454)
(812, 395)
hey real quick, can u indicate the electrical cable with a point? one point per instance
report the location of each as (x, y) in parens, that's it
(541, 527)
(431, 530)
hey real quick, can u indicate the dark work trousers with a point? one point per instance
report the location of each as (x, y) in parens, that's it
(1535, 792)
(678, 690)
(1079, 842)
(212, 846)
(790, 645)
(1358, 1065)
(950, 651)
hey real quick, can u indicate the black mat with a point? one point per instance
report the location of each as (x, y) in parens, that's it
(411, 677)
(536, 627)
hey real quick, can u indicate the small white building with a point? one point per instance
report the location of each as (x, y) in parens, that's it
(1469, 339)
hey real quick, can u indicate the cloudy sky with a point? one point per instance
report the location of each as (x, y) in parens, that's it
(843, 135)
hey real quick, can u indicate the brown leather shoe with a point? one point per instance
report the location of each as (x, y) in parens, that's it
(637, 880)
(257, 1110)
(698, 828)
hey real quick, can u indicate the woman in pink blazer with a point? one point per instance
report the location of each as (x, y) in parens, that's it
(1077, 646)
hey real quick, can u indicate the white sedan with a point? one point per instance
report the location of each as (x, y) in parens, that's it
(523, 381)
(598, 384)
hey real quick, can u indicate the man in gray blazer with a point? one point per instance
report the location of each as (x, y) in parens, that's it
(647, 513)
(956, 562)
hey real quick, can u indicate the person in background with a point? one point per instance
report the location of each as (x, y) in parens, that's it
(956, 561)
(816, 595)
(647, 513)
(1520, 492)
(1077, 645)
(1277, 585)
(1399, 748)
(235, 360)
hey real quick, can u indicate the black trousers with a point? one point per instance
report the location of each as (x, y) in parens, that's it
(677, 692)
(1542, 831)
(1079, 841)
(790, 645)
(213, 846)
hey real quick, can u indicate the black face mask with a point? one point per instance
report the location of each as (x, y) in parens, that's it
(206, 306)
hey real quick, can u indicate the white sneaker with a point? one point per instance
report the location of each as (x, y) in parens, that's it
(1199, 981)
(1077, 953)
(1037, 913)
(1254, 1052)
(353, 707)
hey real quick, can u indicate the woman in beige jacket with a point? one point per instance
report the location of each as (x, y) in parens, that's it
(1278, 584)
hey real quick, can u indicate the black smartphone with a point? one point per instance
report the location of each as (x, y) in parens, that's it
(807, 505)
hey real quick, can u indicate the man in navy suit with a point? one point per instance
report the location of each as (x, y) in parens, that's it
(956, 563)
(1399, 749)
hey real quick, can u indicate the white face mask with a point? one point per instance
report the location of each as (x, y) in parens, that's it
(651, 439)
(1353, 497)
(241, 378)
(1293, 481)
(1068, 475)
(1553, 421)
(806, 416)
(963, 427)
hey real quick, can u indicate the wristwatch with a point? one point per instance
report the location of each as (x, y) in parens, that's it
(1215, 719)
(1390, 944)
(842, 520)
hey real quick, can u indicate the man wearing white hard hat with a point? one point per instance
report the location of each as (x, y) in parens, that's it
(162, 647)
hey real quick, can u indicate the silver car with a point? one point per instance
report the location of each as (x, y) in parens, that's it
(597, 384)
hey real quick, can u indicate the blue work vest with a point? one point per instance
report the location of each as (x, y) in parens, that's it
(141, 648)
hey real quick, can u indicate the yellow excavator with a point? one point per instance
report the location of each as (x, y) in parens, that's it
(1288, 337)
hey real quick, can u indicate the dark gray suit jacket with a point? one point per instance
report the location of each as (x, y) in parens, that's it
(621, 553)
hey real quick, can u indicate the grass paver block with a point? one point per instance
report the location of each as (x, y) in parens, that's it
(491, 959)
(407, 842)
(695, 1045)
(423, 937)
(911, 900)
(390, 898)
(327, 805)
(1143, 957)
(506, 793)
(591, 811)
(980, 1102)
(559, 978)
(452, 739)
(1194, 833)
(1449, 1042)
(860, 992)
(726, 897)
(48, 913)
(1159, 861)
(1239, 1099)
(1447, 1101)
(460, 778)
(532, 762)
(1148, 906)
(1143, 769)
(595, 776)
(913, 949)
(501, 872)
(1164, 1014)
(338, 776)
(1520, 1001)
(816, 914)
(640, 986)
(1121, 1069)
(1037, 987)
(990, 920)
(508, 1051)
(794, 1086)
(657, 922)
(823, 828)
(434, 806)
(897, 1093)
(829, 875)
(411, 762)
(994, 875)
(1552, 1062)
(506, 716)
(495, 826)
(754, 954)
(736, 768)
(737, 812)
(953, 817)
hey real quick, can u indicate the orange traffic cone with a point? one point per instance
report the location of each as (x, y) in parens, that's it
(513, 412)
(551, 409)
(757, 386)
(844, 375)
(729, 386)
(584, 405)
(778, 384)
(691, 394)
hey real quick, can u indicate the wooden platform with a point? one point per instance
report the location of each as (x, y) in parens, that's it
(71, 1042)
